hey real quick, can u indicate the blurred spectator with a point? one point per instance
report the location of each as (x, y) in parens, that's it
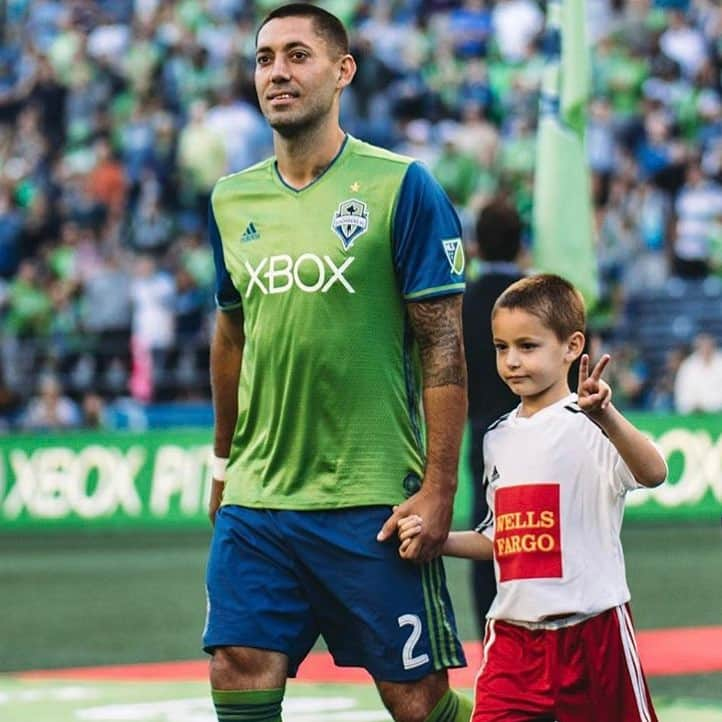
(648, 268)
(478, 136)
(11, 225)
(49, 95)
(601, 142)
(50, 410)
(658, 150)
(29, 305)
(470, 26)
(202, 158)
(515, 24)
(242, 130)
(698, 386)
(455, 170)
(628, 376)
(152, 227)
(418, 143)
(698, 206)
(93, 412)
(661, 395)
(11, 404)
(152, 293)
(618, 241)
(190, 309)
(106, 313)
(684, 44)
(106, 181)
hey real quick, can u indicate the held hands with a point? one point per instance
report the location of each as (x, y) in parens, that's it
(408, 528)
(594, 394)
(435, 508)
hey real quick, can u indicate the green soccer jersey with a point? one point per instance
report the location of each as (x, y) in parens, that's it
(329, 394)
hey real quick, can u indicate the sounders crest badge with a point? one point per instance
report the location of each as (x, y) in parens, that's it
(350, 220)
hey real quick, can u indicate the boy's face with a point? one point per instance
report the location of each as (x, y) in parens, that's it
(530, 358)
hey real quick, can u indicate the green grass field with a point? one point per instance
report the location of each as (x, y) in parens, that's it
(89, 599)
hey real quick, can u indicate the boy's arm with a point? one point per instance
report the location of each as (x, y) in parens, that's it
(464, 544)
(637, 451)
(469, 545)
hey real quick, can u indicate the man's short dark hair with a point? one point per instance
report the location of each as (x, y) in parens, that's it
(498, 231)
(326, 25)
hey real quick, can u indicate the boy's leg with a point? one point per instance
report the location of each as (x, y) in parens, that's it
(516, 679)
(604, 679)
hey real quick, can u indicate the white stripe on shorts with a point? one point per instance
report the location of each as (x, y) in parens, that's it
(489, 637)
(635, 656)
(633, 666)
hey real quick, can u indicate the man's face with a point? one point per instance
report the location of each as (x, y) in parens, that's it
(298, 75)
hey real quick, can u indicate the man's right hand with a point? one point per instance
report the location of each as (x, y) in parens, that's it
(215, 501)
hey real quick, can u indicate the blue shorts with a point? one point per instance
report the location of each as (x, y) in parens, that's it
(278, 579)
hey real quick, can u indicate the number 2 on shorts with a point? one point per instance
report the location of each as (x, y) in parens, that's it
(407, 654)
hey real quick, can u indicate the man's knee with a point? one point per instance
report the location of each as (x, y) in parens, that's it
(246, 668)
(414, 701)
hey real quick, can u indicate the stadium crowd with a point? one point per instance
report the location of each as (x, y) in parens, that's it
(117, 117)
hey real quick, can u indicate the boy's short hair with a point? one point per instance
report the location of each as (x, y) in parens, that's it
(552, 299)
(326, 25)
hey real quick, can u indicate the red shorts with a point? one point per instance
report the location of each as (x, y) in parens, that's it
(587, 672)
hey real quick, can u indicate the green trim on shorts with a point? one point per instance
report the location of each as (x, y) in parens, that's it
(448, 630)
(434, 610)
(425, 585)
(443, 639)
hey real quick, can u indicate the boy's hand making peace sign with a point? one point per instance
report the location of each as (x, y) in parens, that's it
(594, 394)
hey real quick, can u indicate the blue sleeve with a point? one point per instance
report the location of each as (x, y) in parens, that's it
(227, 296)
(426, 232)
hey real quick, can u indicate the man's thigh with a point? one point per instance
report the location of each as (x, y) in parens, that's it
(255, 596)
(375, 610)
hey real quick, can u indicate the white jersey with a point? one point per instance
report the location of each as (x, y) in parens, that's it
(556, 488)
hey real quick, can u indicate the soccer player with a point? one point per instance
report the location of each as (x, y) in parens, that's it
(339, 280)
(559, 642)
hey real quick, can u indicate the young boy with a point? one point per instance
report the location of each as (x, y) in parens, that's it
(559, 643)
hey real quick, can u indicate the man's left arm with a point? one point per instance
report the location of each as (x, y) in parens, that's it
(437, 326)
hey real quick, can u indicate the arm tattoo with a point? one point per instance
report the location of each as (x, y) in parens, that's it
(437, 328)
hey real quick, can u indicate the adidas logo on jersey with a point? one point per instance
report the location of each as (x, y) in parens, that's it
(250, 234)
